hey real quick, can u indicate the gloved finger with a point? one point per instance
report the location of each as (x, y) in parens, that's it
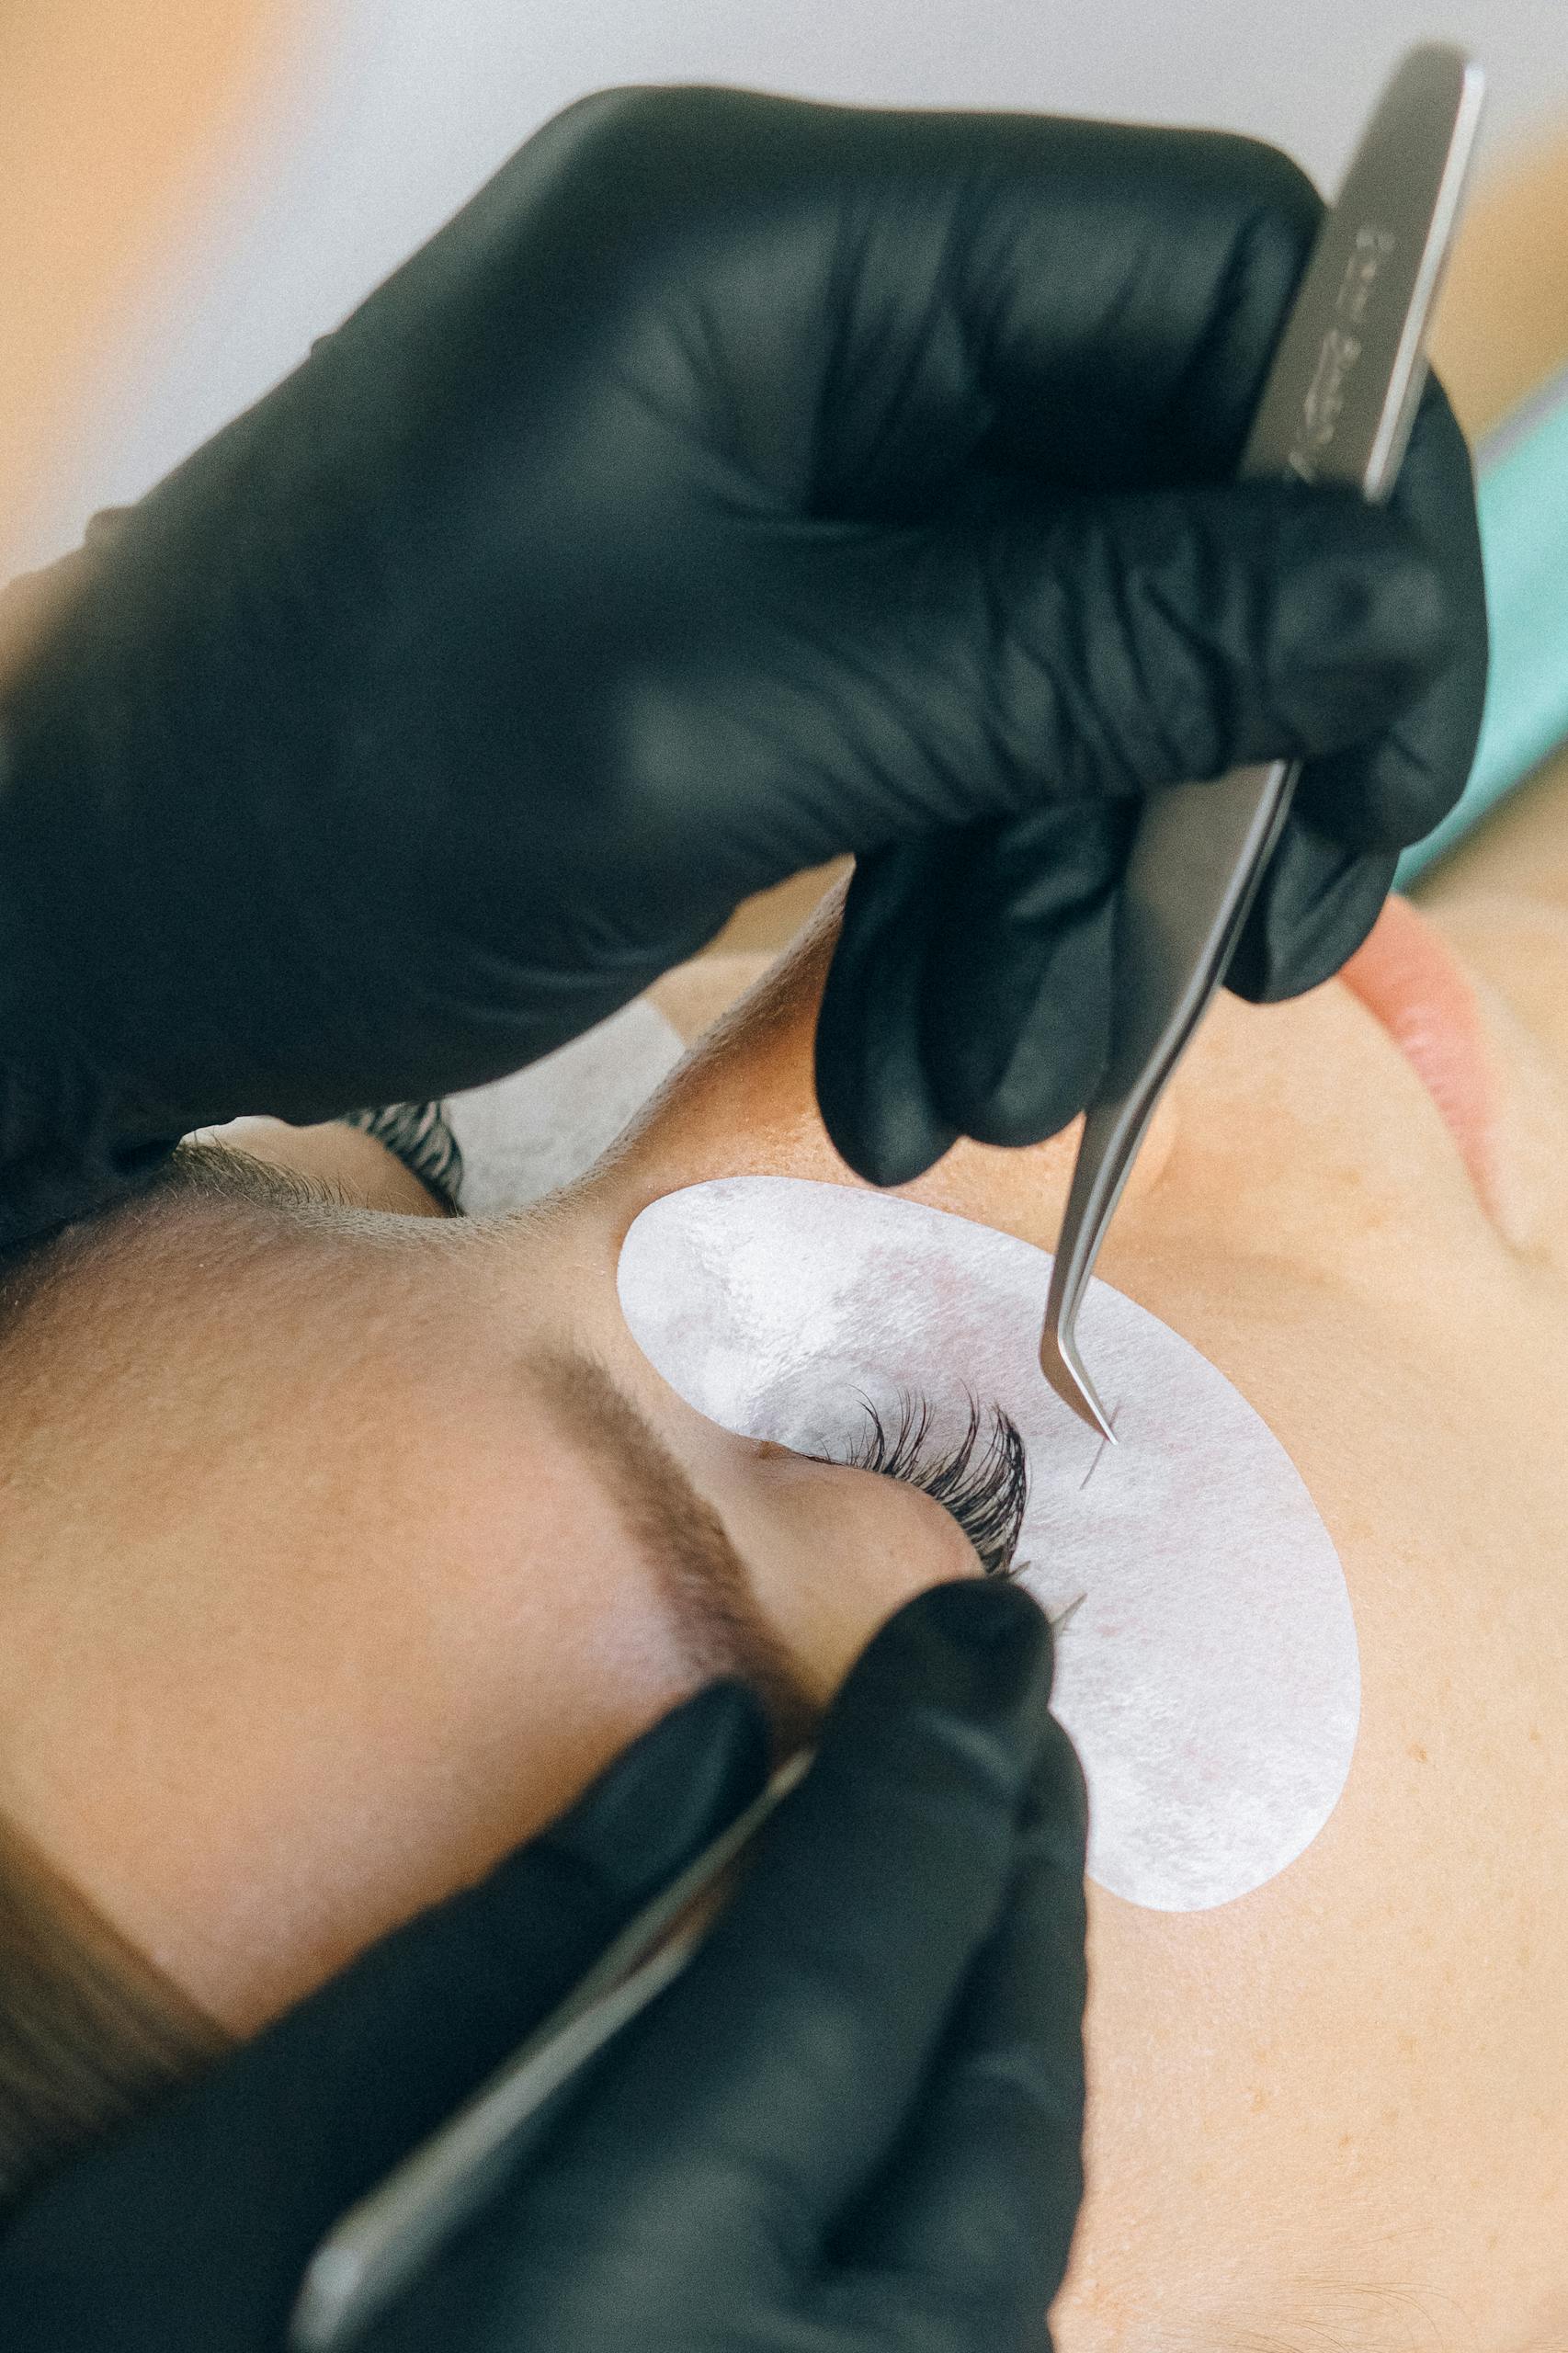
(1140, 641)
(1355, 808)
(1315, 904)
(770, 2086)
(969, 2228)
(880, 1113)
(1084, 649)
(1020, 979)
(970, 986)
(920, 289)
(1131, 287)
(258, 2161)
(1389, 792)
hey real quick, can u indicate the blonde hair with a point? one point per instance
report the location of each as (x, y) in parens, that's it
(91, 2033)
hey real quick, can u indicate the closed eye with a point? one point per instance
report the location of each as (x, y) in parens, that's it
(982, 1478)
(420, 1135)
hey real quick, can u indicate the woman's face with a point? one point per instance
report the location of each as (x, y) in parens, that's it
(355, 1582)
(1334, 2111)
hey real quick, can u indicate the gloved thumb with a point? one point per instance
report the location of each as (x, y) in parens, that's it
(214, 2205)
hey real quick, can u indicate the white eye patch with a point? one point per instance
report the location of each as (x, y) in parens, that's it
(1208, 1678)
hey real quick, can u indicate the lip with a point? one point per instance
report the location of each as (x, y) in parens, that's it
(1416, 988)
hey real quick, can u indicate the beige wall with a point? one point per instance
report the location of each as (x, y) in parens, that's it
(115, 116)
(385, 113)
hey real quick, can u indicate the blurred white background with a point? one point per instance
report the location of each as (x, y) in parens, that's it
(385, 115)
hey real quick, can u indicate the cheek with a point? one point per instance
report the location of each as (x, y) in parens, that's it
(1306, 1139)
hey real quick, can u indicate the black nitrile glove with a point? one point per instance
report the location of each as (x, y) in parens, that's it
(734, 482)
(854, 2122)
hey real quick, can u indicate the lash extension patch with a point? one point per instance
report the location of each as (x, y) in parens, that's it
(1209, 1675)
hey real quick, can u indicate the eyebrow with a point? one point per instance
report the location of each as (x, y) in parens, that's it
(704, 1580)
(228, 1173)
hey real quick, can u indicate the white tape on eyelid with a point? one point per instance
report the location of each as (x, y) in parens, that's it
(1210, 1679)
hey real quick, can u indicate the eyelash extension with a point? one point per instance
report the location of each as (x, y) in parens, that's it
(985, 1487)
(421, 1136)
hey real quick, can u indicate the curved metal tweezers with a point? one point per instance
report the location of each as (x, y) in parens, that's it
(1337, 407)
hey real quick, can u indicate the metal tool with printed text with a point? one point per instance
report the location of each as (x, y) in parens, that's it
(1337, 407)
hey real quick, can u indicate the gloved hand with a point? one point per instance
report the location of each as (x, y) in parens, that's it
(856, 2118)
(734, 482)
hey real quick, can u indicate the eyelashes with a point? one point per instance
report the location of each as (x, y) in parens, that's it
(982, 1477)
(421, 1136)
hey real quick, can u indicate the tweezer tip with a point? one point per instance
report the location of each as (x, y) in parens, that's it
(1059, 1362)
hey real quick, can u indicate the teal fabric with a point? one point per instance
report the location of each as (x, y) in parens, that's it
(1522, 474)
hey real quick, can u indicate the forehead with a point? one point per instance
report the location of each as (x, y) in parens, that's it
(300, 1631)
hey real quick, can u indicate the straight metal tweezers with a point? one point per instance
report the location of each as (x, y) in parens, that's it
(373, 2251)
(1337, 407)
